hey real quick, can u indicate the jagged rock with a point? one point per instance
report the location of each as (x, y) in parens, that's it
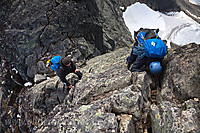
(117, 98)
(142, 81)
(168, 117)
(182, 75)
(126, 124)
(39, 78)
(190, 9)
(181, 81)
(107, 90)
(102, 75)
(98, 116)
(86, 118)
(59, 28)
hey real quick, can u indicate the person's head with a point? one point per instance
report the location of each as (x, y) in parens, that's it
(66, 61)
(155, 67)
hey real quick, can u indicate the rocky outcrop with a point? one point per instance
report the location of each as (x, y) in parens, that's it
(190, 9)
(172, 117)
(103, 75)
(109, 98)
(83, 29)
(182, 73)
(98, 116)
(178, 99)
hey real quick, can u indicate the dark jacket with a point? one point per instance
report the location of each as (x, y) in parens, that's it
(63, 71)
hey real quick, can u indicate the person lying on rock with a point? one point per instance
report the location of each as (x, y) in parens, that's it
(63, 66)
(148, 50)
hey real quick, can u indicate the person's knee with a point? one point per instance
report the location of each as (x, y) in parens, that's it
(135, 68)
(127, 59)
(131, 58)
(79, 74)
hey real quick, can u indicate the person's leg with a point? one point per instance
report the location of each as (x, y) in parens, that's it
(79, 74)
(130, 60)
(138, 64)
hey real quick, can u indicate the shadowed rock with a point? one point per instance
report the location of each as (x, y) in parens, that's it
(182, 75)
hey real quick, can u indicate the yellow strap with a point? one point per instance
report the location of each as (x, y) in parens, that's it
(48, 61)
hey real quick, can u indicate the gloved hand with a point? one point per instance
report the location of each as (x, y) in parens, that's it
(48, 63)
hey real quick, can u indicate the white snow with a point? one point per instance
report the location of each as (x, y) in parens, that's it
(195, 2)
(174, 27)
(14, 69)
(122, 7)
(28, 84)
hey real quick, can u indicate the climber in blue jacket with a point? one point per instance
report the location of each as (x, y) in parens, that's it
(138, 56)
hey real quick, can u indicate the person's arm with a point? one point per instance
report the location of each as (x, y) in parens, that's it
(62, 77)
(73, 66)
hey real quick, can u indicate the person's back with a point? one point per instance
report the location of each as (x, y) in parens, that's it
(146, 40)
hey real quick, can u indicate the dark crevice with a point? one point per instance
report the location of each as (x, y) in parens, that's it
(115, 112)
(149, 124)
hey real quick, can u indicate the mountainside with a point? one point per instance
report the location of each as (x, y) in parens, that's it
(109, 98)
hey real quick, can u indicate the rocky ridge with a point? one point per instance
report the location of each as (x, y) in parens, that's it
(108, 98)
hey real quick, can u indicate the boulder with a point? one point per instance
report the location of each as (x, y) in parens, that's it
(182, 73)
(39, 78)
(102, 75)
(99, 116)
(169, 117)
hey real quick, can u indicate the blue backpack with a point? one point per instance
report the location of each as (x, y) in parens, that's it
(154, 47)
(54, 63)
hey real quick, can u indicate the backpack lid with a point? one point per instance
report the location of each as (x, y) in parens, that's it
(55, 62)
(145, 34)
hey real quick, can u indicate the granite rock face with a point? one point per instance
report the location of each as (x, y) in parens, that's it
(129, 102)
(37, 29)
(33, 31)
(178, 100)
(109, 98)
(182, 74)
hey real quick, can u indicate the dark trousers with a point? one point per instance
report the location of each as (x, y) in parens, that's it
(138, 63)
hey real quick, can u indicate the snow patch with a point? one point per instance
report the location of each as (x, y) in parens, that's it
(174, 27)
(195, 2)
(28, 84)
